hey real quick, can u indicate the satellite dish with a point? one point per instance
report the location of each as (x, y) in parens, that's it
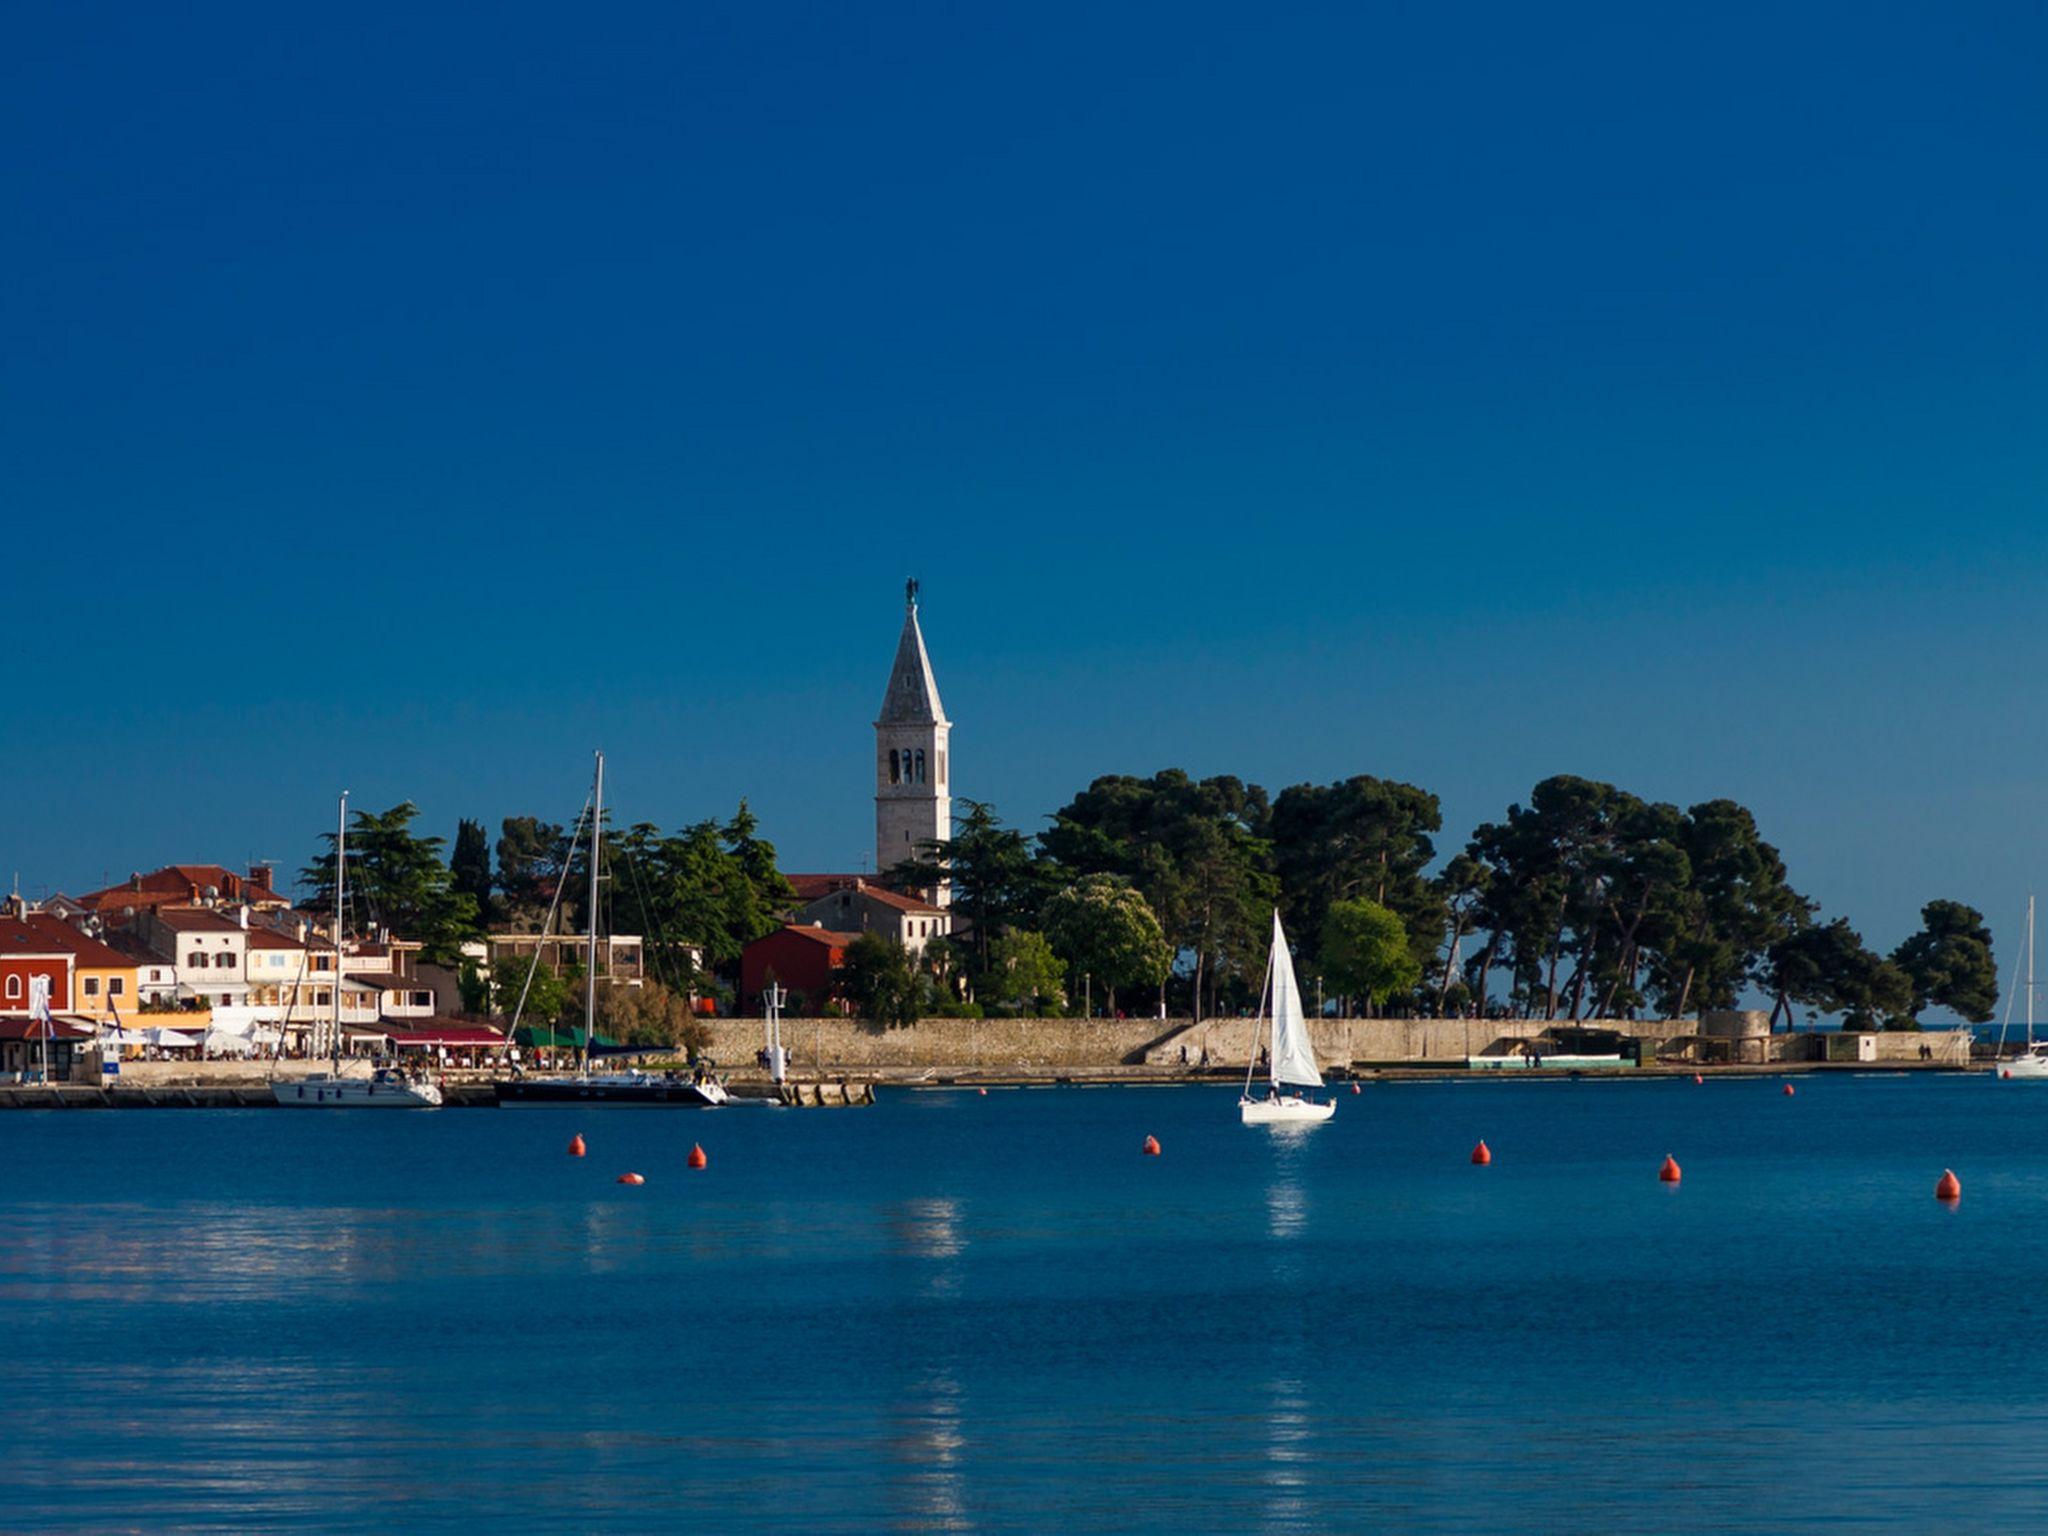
(213, 893)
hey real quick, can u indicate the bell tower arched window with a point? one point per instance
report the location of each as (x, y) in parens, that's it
(895, 768)
(920, 765)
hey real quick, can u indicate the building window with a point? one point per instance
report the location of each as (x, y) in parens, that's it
(196, 960)
(920, 765)
(895, 768)
(223, 961)
(92, 986)
(114, 986)
(13, 987)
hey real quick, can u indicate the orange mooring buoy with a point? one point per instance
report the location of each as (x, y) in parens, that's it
(632, 1178)
(983, 1092)
(1482, 1154)
(1669, 1173)
(576, 1146)
(1950, 1187)
(697, 1157)
(1151, 1147)
(1790, 1090)
(1697, 1079)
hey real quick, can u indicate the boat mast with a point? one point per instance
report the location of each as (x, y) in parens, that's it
(2030, 972)
(340, 884)
(590, 969)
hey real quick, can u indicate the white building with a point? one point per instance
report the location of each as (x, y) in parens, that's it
(207, 951)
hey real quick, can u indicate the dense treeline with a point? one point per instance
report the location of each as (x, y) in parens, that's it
(1587, 901)
(1156, 893)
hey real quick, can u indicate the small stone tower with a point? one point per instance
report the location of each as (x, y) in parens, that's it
(913, 792)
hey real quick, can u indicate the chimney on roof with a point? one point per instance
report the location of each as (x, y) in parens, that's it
(243, 915)
(259, 879)
(134, 881)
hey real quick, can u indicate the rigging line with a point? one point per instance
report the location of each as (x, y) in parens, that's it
(2012, 993)
(664, 972)
(547, 927)
(1251, 1056)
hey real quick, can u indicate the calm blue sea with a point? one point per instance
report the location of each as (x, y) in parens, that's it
(953, 1312)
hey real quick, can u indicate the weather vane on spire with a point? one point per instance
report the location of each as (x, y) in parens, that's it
(910, 593)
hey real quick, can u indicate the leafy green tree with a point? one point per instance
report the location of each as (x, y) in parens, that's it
(881, 984)
(1949, 962)
(1361, 836)
(995, 882)
(1104, 929)
(1365, 952)
(1023, 975)
(533, 855)
(1462, 888)
(546, 999)
(711, 885)
(397, 880)
(474, 991)
(1827, 967)
(649, 1014)
(470, 866)
(1196, 851)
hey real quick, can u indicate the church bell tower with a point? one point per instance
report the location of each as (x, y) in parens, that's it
(913, 787)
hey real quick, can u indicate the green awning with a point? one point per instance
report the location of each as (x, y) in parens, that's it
(542, 1038)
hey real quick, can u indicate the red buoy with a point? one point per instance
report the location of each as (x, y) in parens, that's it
(697, 1157)
(1482, 1154)
(1669, 1172)
(1697, 1079)
(1355, 1089)
(982, 1091)
(575, 1146)
(1151, 1148)
(1790, 1090)
(2006, 1074)
(632, 1178)
(1950, 1188)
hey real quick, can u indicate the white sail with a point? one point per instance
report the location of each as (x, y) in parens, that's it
(1294, 1055)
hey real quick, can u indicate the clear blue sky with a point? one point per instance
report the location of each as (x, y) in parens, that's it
(410, 399)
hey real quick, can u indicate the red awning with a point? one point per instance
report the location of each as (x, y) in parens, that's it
(448, 1034)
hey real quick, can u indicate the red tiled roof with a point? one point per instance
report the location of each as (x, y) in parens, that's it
(25, 1028)
(84, 949)
(270, 938)
(196, 920)
(20, 941)
(809, 931)
(178, 883)
(900, 902)
(809, 888)
(888, 898)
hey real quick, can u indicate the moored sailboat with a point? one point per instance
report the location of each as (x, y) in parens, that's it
(385, 1088)
(618, 1090)
(1291, 1057)
(2032, 1060)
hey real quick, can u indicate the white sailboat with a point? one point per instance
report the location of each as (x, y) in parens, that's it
(387, 1087)
(1291, 1059)
(2032, 1060)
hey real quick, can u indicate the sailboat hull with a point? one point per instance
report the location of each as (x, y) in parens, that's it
(616, 1093)
(1286, 1110)
(355, 1093)
(2029, 1065)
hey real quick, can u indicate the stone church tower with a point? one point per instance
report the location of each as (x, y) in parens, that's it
(913, 791)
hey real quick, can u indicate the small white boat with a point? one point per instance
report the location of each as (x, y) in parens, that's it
(386, 1088)
(1291, 1058)
(2032, 1062)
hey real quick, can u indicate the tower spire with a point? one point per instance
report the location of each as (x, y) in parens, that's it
(913, 784)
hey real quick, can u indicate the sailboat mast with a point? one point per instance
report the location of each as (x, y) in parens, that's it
(2030, 972)
(590, 969)
(340, 884)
